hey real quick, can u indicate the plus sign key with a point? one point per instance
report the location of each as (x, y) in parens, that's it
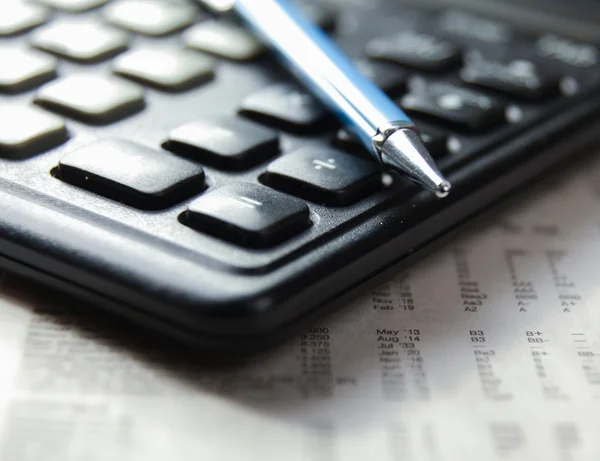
(324, 176)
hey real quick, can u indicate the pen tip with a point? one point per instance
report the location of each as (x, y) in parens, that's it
(404, 151)
(443, 189)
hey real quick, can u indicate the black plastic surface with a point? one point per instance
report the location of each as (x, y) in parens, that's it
(211, 291)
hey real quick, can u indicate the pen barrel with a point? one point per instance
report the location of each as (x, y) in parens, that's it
(322, 67)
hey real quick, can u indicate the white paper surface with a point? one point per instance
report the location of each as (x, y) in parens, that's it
(486, 350)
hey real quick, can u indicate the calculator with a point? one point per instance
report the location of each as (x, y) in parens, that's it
(156, 162)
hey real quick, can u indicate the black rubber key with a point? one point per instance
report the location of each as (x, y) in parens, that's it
(227, 143)
(322, 16)
(165, 68)
(577, 55)
(64, 39)
(93, 99)
(28, 130)
(460, 107)
(324, 175)
(390, 78)
(248, 215)
(17, 17)
(285, 106)
(519, 78)
(132, 174)
(415, 49)
(23, 69)
(435, 141)
(469, 29)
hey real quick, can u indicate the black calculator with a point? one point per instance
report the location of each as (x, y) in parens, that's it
(156, 162)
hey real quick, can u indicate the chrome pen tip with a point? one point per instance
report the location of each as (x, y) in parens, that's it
(404, 151)
(443, 189)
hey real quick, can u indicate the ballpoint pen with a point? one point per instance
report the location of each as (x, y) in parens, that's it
(366, 112)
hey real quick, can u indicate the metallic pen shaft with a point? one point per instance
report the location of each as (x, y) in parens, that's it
(321, 66)
(382, 127)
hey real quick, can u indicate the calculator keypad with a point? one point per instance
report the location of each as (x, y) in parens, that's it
(181, 125)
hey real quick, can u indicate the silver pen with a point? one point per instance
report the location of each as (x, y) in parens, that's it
(381, 126)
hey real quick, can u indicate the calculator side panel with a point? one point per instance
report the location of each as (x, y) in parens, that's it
(180, 297)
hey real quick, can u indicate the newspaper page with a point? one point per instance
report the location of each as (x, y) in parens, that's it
(486, 350)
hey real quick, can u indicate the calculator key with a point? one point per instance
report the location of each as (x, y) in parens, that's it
(23, 69)
(73, 6)
(84, 41)
(390, 78)
(17, 17)
(466, 27)
(565, 51)
(132, 174)
(433, 139)
(415, 49)
(228, 143)
(518, 78)
(318, 14)
(461, 107)
(92, 98)
(248, 215)
(166, 69)
(285, 106)
(150, 17)
(27, 130)
(223, 39)
(324, 175)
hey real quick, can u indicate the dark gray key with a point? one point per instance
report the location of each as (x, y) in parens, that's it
(322, 16)
(566, 51)
(132, 174)
(223, 39)
(248, 215)
(389, 77)
(228, 143)
(435, 141)
(460, 107)
(73, 6)
(416, 49)
(324, 175)
(519, 78)
(166, 69)
(150, 17)
(16, 17)
(65, 39)
(27, 130)
(286, 106)
(92, 98)
(468, 28)
(23, 69)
